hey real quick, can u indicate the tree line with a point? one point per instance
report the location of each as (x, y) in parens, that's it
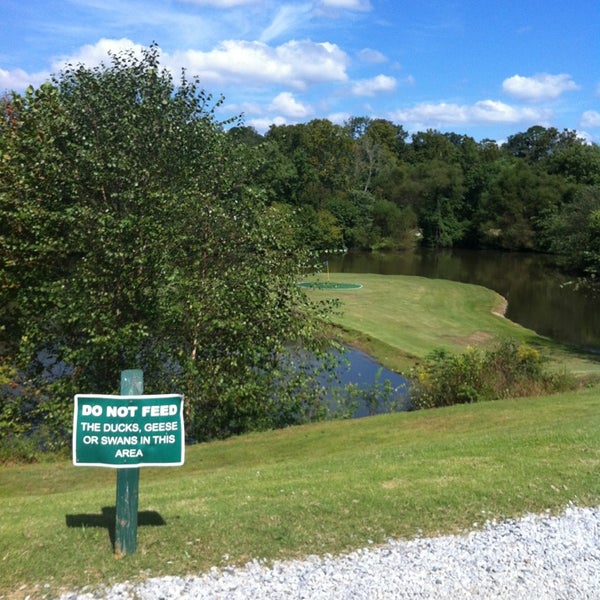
(367, 184)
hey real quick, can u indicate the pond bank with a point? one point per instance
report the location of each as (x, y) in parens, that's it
(399, 320)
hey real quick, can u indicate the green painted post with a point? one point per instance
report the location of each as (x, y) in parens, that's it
(128, 480)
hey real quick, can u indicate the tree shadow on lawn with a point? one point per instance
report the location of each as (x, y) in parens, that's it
(107, 519)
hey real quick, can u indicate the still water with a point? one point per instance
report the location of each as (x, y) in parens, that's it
(539, 296)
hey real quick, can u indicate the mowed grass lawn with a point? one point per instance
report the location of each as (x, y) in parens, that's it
(323, 488)
(400, 318)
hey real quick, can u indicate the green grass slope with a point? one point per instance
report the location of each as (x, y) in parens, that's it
(327, 487)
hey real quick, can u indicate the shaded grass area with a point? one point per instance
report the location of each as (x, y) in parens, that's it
(327, 487)
(400, 319)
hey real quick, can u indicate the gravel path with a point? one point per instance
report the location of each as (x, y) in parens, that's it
(534, 558)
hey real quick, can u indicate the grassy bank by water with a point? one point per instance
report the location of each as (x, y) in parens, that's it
(399, 318)
(327, 487)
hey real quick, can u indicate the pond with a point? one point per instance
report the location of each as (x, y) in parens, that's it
(539, 296)
(376, 388)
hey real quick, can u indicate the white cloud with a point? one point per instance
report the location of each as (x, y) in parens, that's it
(287, 18)
(371, 57)
(371, 87)
(18, 79)
(287, 105)
(296, 64)
(339, 118)
(429, 115)
(347, 4)
(222, 3)
(539, 87)
(493, 111)
(262, 124)
(590, 118)
(587, 137)
(92, 55)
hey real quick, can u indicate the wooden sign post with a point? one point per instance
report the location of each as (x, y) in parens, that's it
(128, 480)
(127, 432)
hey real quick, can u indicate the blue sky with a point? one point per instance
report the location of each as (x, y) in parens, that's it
(485, 68)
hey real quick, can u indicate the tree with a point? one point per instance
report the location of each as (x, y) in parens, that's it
(575, 232)
(378, 145)
(243, 134)
(395, 227)
(578, 163)
(514, 204)
(538, 143)
(437, 191)
(133, 236)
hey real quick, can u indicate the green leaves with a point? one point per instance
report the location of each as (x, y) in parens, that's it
(134, 236)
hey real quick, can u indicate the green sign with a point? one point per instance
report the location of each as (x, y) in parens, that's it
(128, 431)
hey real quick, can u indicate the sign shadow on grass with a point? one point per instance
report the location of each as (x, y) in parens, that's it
(107, 520)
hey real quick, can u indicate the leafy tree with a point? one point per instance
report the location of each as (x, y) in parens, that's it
(321, 155)
(489, 151)
(354, 214)
(133, 236)
(438, 192)
(514, 204)
(575, 232)
(243, 134)
(378, 147)
(578, 163)
(433, 145)
(395, 227)
(538, 144)
(288, 170)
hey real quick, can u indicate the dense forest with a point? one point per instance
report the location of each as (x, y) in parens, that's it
(139, 231)
(367, 184)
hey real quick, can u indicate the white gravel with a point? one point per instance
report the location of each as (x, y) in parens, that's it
(537, 557)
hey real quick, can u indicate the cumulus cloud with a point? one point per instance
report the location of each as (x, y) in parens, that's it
(262, 124)
(539, 87)
(92, 55)
(590, 119)
(18, 79)
(371, 87)
(287, 105)
(485, 111)
(296, 64)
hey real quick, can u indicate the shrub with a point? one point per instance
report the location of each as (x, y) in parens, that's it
(511, 369)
